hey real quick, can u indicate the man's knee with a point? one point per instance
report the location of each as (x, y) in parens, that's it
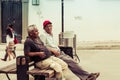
(56, 67)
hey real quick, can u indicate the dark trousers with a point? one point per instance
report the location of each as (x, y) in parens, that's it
(6, 55)
(74, 66)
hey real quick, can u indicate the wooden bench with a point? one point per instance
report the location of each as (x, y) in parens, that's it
(22, 68)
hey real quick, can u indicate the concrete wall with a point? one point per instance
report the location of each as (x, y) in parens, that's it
(91, 20)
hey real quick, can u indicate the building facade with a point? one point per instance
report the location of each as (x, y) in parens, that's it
(90, 20)
(14, 12)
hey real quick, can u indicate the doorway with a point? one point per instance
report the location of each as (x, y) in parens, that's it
(11, 13)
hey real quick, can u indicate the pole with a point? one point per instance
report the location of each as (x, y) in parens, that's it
(62, 16)
(62, 3)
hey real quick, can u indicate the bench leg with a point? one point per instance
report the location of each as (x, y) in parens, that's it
(39, 77)
(8, 76)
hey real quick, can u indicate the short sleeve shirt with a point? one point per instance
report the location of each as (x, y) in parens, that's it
(32, 46)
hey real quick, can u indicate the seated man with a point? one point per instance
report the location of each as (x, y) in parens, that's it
(49, 42)
(35, 49)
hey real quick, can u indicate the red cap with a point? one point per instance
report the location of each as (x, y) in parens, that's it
(45, 23)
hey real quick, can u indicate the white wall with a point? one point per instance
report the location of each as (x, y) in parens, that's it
(91, 20)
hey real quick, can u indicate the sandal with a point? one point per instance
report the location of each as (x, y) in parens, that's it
(93, 76)
(96, 74)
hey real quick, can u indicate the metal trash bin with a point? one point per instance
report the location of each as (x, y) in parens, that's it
(68, 39)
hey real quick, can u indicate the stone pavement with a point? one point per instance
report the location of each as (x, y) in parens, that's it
(19, 51)
(107, 62)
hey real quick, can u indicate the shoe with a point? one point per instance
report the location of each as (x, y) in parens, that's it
(93, 76)
(96, 74)
(3, 59)
(14, 57)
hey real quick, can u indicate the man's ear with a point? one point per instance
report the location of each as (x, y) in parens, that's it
(30, 34)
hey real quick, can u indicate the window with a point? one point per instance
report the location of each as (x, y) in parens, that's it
(35, 2)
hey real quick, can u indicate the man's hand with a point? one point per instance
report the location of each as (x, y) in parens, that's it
(56, 53)
(42, 55)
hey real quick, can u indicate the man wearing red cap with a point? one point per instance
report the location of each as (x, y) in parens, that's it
(49, 42)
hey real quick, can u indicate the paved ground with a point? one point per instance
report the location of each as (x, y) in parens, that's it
(107, 62)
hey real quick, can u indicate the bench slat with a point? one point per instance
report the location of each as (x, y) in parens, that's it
(46, 73)
(9, 69)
